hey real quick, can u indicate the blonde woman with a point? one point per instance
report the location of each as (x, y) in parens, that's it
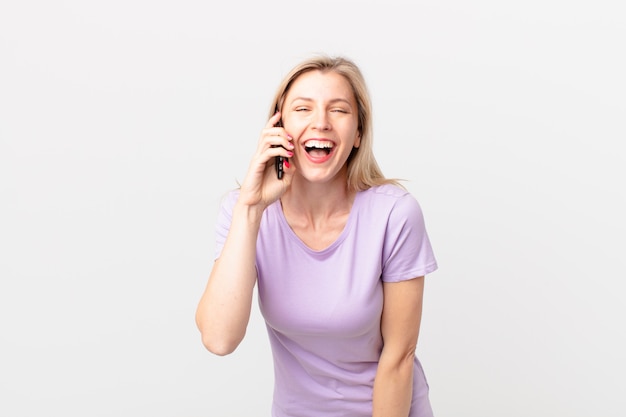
(339, 254)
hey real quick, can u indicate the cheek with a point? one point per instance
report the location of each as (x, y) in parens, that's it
(352, 131)
(294, 127)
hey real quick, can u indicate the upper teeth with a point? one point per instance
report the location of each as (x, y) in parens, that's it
(319, 144)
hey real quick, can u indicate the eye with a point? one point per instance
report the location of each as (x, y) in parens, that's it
(301, 109)
(339, 111)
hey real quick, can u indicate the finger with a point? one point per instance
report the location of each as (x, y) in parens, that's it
(278, 138)
(279, 150)
(273, 120)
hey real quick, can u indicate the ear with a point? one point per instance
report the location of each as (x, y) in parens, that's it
(357, 141)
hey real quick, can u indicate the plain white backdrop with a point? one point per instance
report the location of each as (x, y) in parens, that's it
(122, 123)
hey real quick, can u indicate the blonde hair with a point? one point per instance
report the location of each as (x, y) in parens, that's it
(363, 170)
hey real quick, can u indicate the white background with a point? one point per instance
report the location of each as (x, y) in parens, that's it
(122, 123)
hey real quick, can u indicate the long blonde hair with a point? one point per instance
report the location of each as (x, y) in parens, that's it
(363, 170)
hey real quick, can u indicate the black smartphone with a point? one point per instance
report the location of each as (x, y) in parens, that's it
(278, 161)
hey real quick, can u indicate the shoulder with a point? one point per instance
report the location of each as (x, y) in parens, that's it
(228, 200)
(389, 197)
(231, 196)
(389, 190)
(394, 207)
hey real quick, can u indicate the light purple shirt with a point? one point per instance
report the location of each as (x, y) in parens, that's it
(323, 308)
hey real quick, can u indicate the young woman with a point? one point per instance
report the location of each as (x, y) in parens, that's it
(339, 254)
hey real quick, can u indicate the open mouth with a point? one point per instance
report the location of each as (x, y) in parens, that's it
(319, 148)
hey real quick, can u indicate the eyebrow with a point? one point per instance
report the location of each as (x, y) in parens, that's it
(332, 101)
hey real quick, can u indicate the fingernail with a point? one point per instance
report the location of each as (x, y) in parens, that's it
(290, 153)
(286, 163)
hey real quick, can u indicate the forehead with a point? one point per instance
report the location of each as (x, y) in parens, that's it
(321, 85)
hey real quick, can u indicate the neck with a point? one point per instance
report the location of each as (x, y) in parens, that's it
(317, 202)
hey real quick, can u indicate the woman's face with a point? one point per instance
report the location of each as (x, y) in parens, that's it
(320, 112)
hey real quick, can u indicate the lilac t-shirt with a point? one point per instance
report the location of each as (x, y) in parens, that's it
(323, 308)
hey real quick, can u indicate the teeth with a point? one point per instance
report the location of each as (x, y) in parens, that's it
(319, 144)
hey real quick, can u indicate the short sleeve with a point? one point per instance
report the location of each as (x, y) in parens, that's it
(407, 252)
(224, 219)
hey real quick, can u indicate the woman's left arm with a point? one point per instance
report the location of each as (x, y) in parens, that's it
(400, 324)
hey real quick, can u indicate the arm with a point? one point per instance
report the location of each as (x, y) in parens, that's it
(400, 323)
(224, 308)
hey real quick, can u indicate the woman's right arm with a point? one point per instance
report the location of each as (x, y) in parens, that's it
(224, 308)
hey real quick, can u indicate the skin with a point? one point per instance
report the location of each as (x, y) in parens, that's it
(315, 199)
(320, 106)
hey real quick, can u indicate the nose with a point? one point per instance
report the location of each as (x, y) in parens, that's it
(321, 121)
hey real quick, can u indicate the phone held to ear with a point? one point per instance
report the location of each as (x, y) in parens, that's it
(278, 163)
(279, 160)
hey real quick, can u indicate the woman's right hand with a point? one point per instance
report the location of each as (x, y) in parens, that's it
(223, 312)
(261, 187)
